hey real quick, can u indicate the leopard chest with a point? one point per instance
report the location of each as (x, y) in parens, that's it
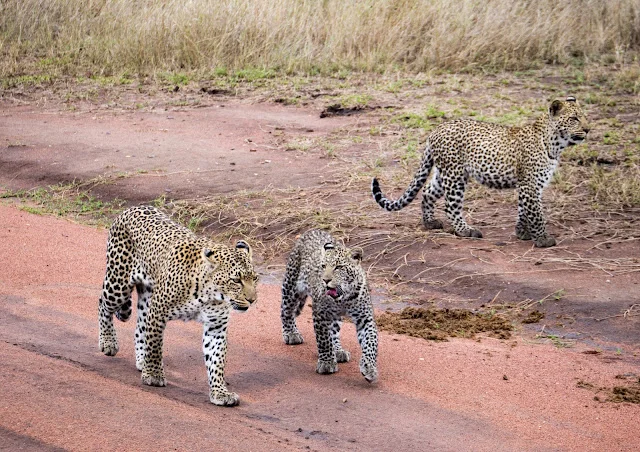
(187, 311)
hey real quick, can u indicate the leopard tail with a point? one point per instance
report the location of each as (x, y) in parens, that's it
(410, 193)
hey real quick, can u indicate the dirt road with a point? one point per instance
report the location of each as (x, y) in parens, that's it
(197, 152)
(60, 392)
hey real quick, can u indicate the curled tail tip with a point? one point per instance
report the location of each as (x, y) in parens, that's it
(377, 194)
(375, 190)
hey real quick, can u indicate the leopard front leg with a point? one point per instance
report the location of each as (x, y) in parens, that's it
(152, 367)
(116, 293)
(322, 321)
(530, 196)
(292, 304)
(214, 346)
(367, 332)
(342, 355)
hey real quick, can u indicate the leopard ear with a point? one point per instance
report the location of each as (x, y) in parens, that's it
(329, 246)
(211, 257)
(244, 246)
(571, 99)
(356, 254)
(555, 107)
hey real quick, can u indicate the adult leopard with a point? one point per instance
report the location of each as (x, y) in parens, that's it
(177, 275)
(497, 156)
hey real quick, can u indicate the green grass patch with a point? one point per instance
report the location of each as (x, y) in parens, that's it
(66, 200)
(26, 80)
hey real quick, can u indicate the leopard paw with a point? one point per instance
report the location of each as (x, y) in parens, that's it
(109, 346)
(153, 380)
(343, 356)
(433, 224)
(472, 233)
(327, 367)
(545, 241)
(369, 371)
(292, 338)
(224, 398)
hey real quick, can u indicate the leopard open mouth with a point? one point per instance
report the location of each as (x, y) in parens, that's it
(334, 292)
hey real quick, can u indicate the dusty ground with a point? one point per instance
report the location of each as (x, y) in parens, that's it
(515, 394)
(59, 391)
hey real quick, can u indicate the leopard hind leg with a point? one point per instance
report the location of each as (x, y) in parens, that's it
(430, 195)
(454, 186)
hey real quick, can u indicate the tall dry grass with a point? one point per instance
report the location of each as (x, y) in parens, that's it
(313, 35)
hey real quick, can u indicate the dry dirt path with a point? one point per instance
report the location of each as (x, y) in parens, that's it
(185, 153)
(59, 392)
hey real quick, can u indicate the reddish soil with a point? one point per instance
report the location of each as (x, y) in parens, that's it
(59, 391)
(189, 153)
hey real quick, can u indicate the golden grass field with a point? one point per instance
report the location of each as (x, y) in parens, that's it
(110, 37)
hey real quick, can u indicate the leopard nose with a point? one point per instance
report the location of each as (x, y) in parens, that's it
(326, 280)
(586, 129)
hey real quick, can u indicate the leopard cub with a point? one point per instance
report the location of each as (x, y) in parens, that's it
(332, 275)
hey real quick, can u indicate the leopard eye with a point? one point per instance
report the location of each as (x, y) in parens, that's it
(236, 280)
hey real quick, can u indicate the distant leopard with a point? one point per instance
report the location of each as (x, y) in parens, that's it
(332, 275)
(497, 156)
(177, 275)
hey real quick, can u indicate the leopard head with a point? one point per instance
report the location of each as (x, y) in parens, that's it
(342, 273)
(231, 274)
(568, 121)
